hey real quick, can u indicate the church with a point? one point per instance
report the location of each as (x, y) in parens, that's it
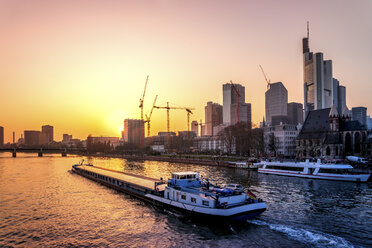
(328, 134)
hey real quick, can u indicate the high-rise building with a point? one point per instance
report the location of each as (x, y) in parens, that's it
(276, 100)
(66, 138)
(1, 136)
(318, 79)
(32, 137)
(359, 114)
(195, 127)
(213, 117)
(295, 113)
(245, 115)
(47, 131)
(369, 122)
(230, 97)
(134, 132)
(341, 99)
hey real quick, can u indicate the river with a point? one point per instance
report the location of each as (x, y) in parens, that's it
(43, 204)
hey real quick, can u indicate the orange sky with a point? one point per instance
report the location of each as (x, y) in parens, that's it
(81, 65)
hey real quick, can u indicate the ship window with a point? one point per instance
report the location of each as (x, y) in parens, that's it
(193, 199)
(183, 197)
(206, 203)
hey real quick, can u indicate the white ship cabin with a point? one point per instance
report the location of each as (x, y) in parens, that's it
(185, 179)
(186, 188)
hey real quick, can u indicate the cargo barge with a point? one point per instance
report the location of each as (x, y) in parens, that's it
(184, 192)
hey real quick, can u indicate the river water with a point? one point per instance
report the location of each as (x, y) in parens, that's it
(42, 204)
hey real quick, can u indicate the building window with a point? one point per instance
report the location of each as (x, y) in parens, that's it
(193, 199)
(183, 197)
(206, 203)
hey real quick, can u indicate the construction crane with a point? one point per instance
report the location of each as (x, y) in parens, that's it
(148, 118)
(267, 80)
(143, 97)
(238, 105)
(204, 123)
(188, 110)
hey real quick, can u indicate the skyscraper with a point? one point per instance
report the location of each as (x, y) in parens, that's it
(295, 113)
(195, 127)
(341, 99)
(359, 114)
(276, 100)
(32, 137)
(134, 132)
(230, 97)
(1, 136)
(245, 115)
(47, 131)
(318, 79)
(213, 117)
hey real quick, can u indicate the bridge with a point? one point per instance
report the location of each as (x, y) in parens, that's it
(41, 150)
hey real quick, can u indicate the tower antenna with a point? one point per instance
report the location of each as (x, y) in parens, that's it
(308, 29)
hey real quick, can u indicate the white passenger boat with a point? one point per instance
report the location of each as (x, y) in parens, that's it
(184, 192)
(315, 170)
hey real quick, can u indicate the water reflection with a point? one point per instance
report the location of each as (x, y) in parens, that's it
(41, 204)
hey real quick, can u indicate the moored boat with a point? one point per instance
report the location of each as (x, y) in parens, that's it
(314, 170)
(185, 192)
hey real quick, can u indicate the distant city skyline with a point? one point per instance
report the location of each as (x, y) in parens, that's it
(80, 66)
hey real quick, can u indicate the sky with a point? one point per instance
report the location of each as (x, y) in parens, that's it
(81, 65)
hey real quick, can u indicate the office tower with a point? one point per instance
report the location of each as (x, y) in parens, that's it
(195, 127)
(213, 117)
(48, 132)
(341, 100)
(1, 136)
(66, 138)
(295, 113)
(318, 79)
(276, 100)
(32, 137)
(230, 97)
(359, 114)
(369, 122)
(245, 115)
(134, 132)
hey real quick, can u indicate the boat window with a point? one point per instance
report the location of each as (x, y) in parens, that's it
(183, 197)
(193, 199)
(289, 168)
(332, 171)
(206, 203)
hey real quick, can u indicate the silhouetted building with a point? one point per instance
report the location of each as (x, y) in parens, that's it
(279, 120)
(213, 117)
(245, 115)
(318, 79)
(359, 114)
(326, 133)
(276, 100)
(1, 136)
(369, 122)
(195, 127)
(32, 137)
(295, 113)
(48, 132)
(134, 132)
(230, 97)
(66, 138)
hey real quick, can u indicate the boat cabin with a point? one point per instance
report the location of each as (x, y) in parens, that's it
(184, 179)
